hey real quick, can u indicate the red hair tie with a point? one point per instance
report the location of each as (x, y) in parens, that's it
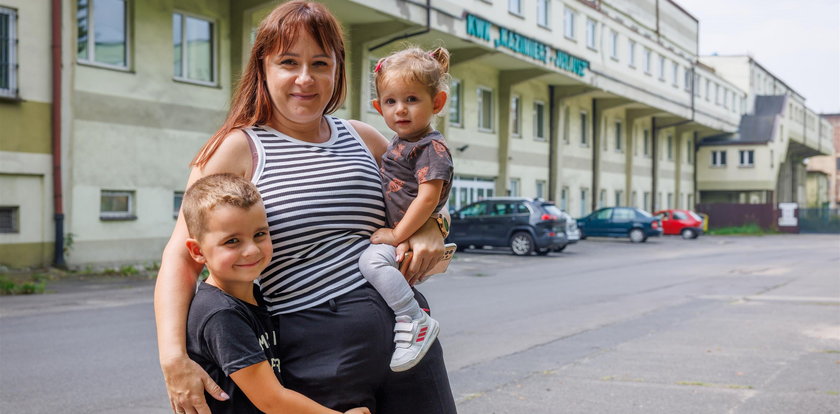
(378, 66)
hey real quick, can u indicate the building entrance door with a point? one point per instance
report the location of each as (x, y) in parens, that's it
(467, 190)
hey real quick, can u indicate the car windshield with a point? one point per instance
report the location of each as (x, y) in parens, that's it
(695, 216)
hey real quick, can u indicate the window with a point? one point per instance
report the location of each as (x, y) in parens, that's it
(9, 219)
(696, 85)
(772, 160)
(670, 147)
(584, 140)
(614, 44)
(646, 142)
(623, 215)
(372, 61)
(726, 98)
(590, 33)
(631, 53)
(717, 94)
(455, 92)
(8, 54)
(116, 205)
(746, 158)
(675, 69)
(687, 80)
(479, 209)
(516, 116)
(670, 201)
(102, 32)
(485, 112)
(602, 198)
(540, 188)
(718, 158)
(662, 68)
(633, 199)
(543, 12)
(177, 199)
(689, 201)
(513, 187)
(689, 151)
(194, 49)
(647, 62)
(569, 23)
(539, 121)
(708, 87)
(515, 7)
(619, 197)
(619, 144)
(567, 118)
(583, 194)
(564, 197)
(647, 201)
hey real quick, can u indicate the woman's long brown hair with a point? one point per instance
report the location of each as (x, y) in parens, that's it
(251, 102)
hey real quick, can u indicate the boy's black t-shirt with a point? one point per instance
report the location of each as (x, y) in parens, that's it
(224, 335)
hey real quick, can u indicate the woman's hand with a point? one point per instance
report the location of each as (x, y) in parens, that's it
(186, 382)
(427, 248)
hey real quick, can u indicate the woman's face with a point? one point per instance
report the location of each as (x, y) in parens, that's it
(301, 81)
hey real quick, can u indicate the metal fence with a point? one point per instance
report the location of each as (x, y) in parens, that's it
(735, 215)
(819, 220)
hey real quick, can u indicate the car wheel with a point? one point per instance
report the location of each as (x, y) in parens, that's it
(522, 244)
(688, 234)
(637, 236)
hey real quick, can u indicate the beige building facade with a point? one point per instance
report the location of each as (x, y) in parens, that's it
(584, 103)
(764, 162)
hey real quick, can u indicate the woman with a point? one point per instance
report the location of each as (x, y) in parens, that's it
(319, 179)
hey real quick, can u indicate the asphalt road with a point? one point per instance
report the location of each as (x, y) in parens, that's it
(714, 325)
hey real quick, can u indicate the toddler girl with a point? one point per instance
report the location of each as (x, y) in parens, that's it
(416, 170)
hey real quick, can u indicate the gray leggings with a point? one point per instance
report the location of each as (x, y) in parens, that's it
(378, 264)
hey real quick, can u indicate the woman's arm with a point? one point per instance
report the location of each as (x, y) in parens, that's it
(265, 392)
(174, 289)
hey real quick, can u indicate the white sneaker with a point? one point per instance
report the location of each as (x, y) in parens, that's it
(413, 337)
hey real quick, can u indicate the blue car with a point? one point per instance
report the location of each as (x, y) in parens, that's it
(630, 222)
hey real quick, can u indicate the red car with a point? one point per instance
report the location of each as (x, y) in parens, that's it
(686, 223)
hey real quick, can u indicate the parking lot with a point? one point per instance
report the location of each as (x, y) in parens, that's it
(717, 324)
(713, 325)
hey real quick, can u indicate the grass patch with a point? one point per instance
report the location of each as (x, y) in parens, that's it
(830, 351)
(750, 229)
(34, 284)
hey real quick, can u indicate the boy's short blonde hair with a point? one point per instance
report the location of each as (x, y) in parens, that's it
(212, 191)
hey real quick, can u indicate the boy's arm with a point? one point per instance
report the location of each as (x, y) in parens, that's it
(265, 391)
(417, 213)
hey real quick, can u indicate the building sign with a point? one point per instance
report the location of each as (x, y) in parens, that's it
(525, 46)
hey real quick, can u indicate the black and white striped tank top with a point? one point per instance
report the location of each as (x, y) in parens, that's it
(323, 203)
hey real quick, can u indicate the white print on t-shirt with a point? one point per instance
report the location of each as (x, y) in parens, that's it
(268, 339)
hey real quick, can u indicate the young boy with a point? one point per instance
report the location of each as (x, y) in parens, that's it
(229, 331)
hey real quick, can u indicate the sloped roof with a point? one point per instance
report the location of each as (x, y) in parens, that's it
(759, 128)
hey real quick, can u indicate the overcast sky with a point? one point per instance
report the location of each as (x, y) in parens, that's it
(796, 40)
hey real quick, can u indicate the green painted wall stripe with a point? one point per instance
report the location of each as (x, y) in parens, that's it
(26, 254)
(121, 110)
(25, 127)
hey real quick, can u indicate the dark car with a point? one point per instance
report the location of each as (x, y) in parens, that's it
(630, 222)
(523, 224)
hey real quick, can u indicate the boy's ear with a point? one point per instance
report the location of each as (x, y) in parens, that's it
(439, 101)
(375, 103)
(195, 251)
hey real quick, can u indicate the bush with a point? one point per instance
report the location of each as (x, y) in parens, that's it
(749, 229)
